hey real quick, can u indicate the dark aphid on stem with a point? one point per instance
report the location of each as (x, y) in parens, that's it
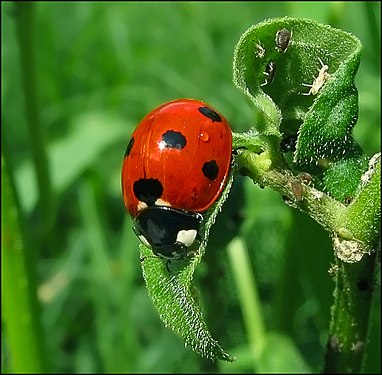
(269, 72)
(297, 185)
(282, 40)
(298, 190)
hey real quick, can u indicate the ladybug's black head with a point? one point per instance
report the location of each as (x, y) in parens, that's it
(168, 231)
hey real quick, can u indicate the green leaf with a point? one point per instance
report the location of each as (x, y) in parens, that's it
(342, 178)
(171, 289)
(325, 135)
(359, 225)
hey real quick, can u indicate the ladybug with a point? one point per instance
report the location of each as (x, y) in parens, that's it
(175, 167)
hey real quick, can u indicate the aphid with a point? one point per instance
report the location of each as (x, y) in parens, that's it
(298, 190)
(318, 82)
(260, 50)
(269, 72)
(282, 40)
(297, 185)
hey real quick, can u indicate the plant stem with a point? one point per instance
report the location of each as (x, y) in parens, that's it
(351, 316)
(355, 282)
(322, 208)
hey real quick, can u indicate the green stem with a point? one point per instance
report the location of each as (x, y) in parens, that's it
(355, 282)
(322, 208)
(19, 298)
(249, 298)
(351, 316)
(359, 228)
(27, 48)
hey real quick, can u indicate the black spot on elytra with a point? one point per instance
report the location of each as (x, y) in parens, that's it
(210, 113)
(173, 139)
(129, 147)
(210, 169)
(148, 190)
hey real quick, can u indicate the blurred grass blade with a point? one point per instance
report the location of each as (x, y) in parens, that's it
(248, 297)
(19, 301)
(280, 355)
(66, 163)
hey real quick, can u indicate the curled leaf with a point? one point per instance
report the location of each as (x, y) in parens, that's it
(300, 76)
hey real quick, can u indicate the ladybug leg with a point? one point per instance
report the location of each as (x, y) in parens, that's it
(168, 262)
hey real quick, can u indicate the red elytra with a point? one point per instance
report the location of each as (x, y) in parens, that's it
(179, 155)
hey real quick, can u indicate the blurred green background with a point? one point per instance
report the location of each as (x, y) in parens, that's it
(99, 68)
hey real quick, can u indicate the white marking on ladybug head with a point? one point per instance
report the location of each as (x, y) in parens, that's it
(186, 237)
(144, 241)
(141, 205)
(161, 202)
